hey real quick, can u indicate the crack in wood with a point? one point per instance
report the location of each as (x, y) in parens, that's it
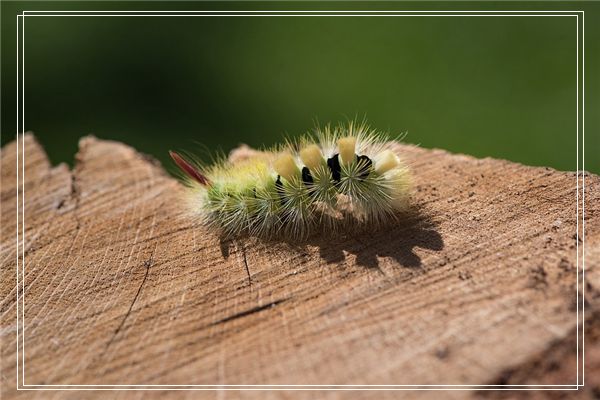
(251, 311)
(147, 264)
(246, 265)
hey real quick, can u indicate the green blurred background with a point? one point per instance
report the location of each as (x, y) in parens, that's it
(488, 86)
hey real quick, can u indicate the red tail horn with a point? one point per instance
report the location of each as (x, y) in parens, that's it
(189, 169)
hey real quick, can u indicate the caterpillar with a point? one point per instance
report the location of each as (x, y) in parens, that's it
(333, 179)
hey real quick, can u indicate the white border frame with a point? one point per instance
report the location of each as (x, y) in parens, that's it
(247, 13)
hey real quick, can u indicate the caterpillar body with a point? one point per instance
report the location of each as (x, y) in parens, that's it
(331, 180)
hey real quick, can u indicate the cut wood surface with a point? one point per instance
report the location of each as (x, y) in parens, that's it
(122, 288)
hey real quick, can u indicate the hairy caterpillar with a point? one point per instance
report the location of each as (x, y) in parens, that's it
(333, 179)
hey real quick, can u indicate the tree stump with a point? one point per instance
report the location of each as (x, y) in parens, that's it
(120, 287)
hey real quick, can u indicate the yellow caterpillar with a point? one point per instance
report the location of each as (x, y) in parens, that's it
(330, 180)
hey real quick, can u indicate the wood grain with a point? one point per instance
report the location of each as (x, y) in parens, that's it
(479, 286)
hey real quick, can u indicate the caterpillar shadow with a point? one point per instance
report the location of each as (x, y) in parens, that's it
(397, 240)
